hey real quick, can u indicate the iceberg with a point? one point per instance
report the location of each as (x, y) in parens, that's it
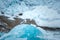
(25, 31)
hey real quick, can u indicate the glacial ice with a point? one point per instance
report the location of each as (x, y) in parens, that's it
(44, 12)
(49, 13)
(24, 31)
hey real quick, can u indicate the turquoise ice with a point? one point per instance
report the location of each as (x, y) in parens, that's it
(24, 31)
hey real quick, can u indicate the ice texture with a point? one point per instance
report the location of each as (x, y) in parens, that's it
(24, 31)
(47, 10)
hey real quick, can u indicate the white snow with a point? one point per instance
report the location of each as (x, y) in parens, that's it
(44, 12)
(43, 16)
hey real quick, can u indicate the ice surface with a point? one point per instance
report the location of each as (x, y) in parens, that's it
(24, 31)
(44, 12)
(43, 16)
(1, 34)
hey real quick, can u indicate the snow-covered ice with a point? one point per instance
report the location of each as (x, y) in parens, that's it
(44, 12)
(43, 16)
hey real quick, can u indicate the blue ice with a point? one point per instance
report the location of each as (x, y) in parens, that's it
(24, 31)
